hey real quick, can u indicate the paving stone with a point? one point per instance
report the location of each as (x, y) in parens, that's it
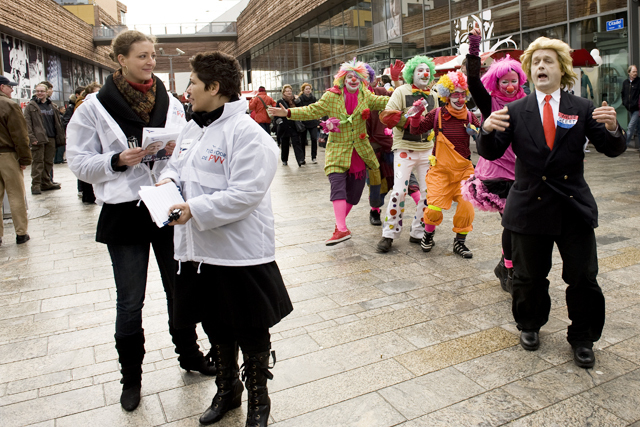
(50, 407)
(23, 350)
(149, 413)
(620, 396)
(430, 392)
(573, 412)
(493, 408)
(370, 410)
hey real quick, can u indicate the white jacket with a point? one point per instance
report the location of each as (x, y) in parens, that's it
(93, 137)
(224, 171)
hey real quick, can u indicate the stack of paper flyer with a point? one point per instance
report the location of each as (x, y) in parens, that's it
(159, 199)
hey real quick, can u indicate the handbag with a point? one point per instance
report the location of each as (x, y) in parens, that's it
(300, 127)
(265, 106)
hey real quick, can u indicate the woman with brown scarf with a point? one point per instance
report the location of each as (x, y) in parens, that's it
(287, 130)
(104, 149)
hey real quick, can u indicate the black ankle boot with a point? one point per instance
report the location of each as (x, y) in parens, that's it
(131, 353)
(255, 375)
(190, 356)
(229, 395)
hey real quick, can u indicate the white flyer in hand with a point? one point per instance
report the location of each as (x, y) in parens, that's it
(158, 200)
(155, 141)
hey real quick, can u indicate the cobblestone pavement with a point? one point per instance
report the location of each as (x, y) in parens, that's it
(404, 338)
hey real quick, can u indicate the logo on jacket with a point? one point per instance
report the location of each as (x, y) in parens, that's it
(566, 121)
(214, 155)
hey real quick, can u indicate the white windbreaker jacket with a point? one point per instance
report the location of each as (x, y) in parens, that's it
(224, 171)
(93, 137)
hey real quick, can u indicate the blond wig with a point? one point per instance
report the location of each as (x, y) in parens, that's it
(564, 57)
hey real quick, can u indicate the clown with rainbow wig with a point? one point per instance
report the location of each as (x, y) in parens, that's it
(348, 155)
(489, 186)
(411, 152)
(451, 160)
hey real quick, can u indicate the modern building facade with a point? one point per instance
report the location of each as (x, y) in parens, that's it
(53, 40)
(296, 41)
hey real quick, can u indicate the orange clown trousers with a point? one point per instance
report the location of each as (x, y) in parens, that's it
(444, 182)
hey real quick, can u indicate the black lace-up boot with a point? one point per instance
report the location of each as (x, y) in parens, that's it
(255, 375)
(229, 395)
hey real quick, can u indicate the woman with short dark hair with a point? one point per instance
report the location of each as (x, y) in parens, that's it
(225, 236)
(305, 98)
(104, 140)
(288, 131)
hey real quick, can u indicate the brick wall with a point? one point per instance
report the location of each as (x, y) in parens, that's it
(47, 24)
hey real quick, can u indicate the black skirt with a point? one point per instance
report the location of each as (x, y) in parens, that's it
(129, 224)
(237, 297)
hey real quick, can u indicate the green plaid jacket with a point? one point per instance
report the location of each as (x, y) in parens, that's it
(353, 129)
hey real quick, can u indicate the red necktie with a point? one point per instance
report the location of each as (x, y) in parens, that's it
(548, 122)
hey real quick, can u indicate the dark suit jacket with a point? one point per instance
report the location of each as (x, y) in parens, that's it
(549, 181)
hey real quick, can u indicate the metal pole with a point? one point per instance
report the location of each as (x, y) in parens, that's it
(172, 83)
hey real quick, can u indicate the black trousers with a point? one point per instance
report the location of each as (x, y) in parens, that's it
(250, 340)
(313, 133)
(531, 264)
(285, 138)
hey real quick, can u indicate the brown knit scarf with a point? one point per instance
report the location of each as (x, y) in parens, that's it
(141, 103)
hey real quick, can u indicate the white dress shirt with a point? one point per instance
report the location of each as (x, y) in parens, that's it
(555, 105)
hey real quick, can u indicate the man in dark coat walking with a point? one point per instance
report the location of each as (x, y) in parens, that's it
(550, 200)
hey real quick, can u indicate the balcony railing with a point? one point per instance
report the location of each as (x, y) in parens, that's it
(172, 33)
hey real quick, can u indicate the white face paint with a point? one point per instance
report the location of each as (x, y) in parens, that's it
(421, 76)
(458, 99)
(351, 82)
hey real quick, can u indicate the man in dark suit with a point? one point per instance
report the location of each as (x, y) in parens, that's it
(550, 200)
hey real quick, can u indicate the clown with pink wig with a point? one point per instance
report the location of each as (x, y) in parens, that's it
(348, 155)
(488, 188)
(450, 160)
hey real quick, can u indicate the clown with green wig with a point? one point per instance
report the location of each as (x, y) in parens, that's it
(348, 155)
(451, 164)
(410, 152)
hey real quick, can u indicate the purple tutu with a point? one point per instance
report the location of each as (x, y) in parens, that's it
(475, 191)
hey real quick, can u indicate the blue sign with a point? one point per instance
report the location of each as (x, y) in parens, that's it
(616, 24)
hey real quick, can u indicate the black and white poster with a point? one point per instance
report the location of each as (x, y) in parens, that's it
(36, 65)
(16, 60)
(54, 74)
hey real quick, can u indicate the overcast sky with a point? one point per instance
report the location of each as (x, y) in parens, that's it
(174, 12)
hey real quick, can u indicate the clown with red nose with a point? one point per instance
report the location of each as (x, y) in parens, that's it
(410, 152)
(488, 188)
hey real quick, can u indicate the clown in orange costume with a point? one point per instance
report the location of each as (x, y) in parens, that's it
(450, 161)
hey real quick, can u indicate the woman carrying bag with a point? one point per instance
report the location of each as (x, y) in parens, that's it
(306, 98)
(289, 130)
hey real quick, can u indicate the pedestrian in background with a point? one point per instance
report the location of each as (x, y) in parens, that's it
(15, 156)
(105, 137)
(311, 126)
(259, 105)
(45, 134)
(287, 129)
(630, 98)
(88, 196)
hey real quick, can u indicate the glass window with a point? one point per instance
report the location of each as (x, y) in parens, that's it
(413, 44)
(505, 19)
(486, 4)
(412, 19)
(438, 38)
(365, 23)
(337, 32)
(324, 36)
(557, 32)
(464, 7)
(580, 8)
(435, 11)
(538, 13)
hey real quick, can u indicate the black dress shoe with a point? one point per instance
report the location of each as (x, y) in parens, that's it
(584, 357)
(21, 239)
(529, 340)
(374, 217)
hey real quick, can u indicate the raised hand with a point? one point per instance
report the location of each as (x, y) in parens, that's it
(498, 120)
(396, 69)
(606, 115)
(277, 111)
